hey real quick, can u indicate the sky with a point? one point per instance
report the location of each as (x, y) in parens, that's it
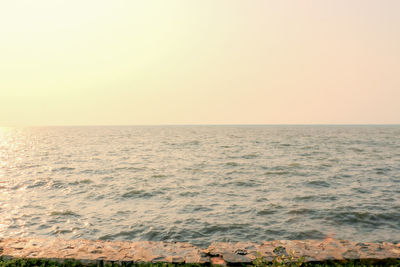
(199, 62)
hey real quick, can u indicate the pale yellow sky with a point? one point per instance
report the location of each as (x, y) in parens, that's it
(199, 62)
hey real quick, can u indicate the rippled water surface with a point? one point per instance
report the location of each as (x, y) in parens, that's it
(201, 183)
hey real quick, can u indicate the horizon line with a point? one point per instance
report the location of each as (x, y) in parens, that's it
(207, 124)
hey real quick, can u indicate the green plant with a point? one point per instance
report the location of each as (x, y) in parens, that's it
(281, 260)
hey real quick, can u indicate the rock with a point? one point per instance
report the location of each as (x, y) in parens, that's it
(351, 254)
(241, 252)
(220, 253)
(233, 259)
(217, 261)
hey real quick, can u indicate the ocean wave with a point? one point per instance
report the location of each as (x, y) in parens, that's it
(63, 169)
(203, 183)
(318, 183)
(83, 181)
(64, 213)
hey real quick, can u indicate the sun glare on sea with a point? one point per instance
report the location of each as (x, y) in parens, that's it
(5, 132)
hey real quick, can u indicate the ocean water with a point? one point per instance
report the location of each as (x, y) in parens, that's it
(201, 183)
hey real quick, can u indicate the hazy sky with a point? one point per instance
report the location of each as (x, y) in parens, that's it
(199, 62)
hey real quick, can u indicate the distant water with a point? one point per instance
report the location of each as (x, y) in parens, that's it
(201, 183)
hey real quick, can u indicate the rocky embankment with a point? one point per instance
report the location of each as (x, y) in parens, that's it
(100, 252)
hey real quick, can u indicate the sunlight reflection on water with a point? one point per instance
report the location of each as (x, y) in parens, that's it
(201, 183)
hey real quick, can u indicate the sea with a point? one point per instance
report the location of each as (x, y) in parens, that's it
(201, 184)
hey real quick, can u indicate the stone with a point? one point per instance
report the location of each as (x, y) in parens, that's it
(217, 261)
(241, 252)
(232, 258)
(218, 253)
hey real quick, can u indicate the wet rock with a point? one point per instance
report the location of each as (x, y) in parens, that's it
(177, 259)
(309, 259)
(217, 249)
(233, 258)
(159, 259)
(241, 252)
(222, 253)
(351, 254)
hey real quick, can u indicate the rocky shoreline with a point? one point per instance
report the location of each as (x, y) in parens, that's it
(103, 252)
